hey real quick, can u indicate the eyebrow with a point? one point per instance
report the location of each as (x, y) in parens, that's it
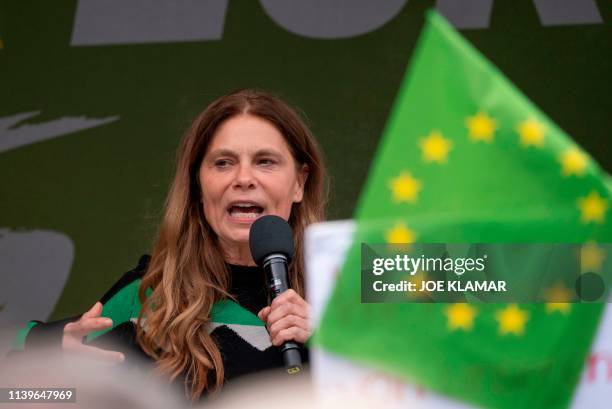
(221, 152)
(268, 152)
(228, 152)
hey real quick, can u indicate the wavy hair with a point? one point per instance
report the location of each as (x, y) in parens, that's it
(187, 272)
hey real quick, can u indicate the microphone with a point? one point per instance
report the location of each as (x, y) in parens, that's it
(272, 247)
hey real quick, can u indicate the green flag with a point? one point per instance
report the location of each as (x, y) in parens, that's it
(466, 157)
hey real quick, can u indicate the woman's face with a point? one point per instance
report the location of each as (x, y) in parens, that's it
(248, 171)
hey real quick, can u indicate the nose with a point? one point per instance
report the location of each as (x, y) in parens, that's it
(245, 178)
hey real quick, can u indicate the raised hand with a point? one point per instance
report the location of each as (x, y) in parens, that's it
(89, 322)
(287, 318)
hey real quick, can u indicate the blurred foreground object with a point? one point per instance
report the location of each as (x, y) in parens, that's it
(98, 384)
(466, 158)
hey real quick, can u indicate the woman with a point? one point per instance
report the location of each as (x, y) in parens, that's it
(246, 155)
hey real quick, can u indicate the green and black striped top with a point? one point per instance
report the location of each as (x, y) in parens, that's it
(241, 336)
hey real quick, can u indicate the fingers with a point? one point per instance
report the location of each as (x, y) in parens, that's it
(291, 334)
(101, 354)
(96, 353)
(288, 328)
(94, 311)
(85, 326)
(263, 313)
(89, 322)
(287, 318)
(282, 310)
(289, 296)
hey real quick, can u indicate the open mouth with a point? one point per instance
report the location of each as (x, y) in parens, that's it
(245, 210)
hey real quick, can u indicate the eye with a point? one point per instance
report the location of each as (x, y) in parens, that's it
(267, 161)
(222, 163)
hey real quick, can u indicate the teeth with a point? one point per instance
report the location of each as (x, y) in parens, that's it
(245, 215)
(245, 210)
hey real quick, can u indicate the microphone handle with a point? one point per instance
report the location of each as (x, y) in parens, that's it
(275, 267)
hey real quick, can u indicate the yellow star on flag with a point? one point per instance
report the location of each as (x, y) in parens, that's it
(435, 147)
(562, 307)
(573, 162)
(531, 133)
(591, 258)
(592, 208)
(405, 188)
(481, 127)
(558, 298)
(460, 316)
(512, 320)
(400, 234)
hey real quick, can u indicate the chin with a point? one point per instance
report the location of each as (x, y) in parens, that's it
(241, 236)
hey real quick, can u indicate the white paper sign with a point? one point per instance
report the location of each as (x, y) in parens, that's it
(339, 381)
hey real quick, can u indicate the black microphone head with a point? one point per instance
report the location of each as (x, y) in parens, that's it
(271, 235)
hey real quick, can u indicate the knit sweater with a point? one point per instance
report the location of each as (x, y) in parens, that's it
(241, 336)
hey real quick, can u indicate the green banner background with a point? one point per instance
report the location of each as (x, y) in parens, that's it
(104, 187)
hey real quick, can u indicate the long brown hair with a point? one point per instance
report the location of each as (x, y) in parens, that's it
(187, 272)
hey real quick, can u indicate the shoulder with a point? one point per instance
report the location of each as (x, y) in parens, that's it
(121, 302)
(128, 280)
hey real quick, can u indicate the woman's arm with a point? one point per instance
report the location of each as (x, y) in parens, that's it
(118, 305)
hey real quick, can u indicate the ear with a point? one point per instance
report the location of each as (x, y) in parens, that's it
(302, 176)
